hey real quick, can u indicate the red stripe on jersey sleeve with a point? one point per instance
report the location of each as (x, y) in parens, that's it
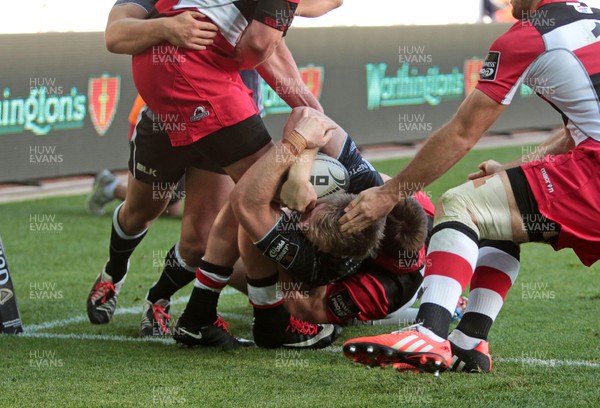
(518, 48)
(590, 58)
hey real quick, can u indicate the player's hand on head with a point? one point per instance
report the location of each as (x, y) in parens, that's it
(186, 30)
(486, 168)
(298, 195)
(368, 207)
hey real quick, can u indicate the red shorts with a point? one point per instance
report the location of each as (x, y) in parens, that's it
(567, 190)
(193, 93)
(370, 294)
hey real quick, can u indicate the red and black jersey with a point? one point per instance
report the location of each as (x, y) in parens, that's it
(232, 17)
(555, 50)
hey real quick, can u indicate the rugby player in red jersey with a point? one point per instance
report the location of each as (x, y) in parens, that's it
(554, 48)
(251, 136)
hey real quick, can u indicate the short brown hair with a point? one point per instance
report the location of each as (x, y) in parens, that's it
(325, 231)
(405, 230)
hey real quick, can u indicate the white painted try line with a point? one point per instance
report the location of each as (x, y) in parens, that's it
(548, 363)
(101, 337)
(523, 361)
(32, 328)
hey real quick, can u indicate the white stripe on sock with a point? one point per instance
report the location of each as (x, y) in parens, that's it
(264, 296)
(181, 261)
(442, 291)
(500, 260)
(485, 301)
(120, 232)
(454, 242)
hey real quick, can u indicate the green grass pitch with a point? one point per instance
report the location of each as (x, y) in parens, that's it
(545, 343)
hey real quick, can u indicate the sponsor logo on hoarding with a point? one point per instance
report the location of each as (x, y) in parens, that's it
(410, 87)
(312, 77)
(472, 68)
(49, 107)
(103, 96)
(40, 112)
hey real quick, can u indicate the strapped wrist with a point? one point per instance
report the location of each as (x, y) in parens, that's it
(296, 142)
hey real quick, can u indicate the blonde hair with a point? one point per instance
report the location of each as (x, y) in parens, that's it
(325, 232)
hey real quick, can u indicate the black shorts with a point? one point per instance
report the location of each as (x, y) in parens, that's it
(152, 159)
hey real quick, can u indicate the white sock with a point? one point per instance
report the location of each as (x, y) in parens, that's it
(430, 334)
(463, 341)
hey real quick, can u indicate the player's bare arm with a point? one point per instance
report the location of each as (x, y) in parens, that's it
(559, 143)
(316, 8)
(257, 44)
(280, 68)
(253, 195)
(129, 32)
(439, 153)
(297, 193)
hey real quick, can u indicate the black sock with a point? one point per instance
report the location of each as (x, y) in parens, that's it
(201, 309)
(435, 318)
(271, 317)
(173, 277)
(120, 249)
(475, 325)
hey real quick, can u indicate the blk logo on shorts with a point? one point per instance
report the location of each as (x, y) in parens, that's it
(199, 113)
(490, 66)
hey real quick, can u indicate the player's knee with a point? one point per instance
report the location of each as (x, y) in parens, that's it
(132, 221)
(192, 250)
(454, 206)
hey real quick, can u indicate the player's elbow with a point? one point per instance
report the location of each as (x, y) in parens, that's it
(256, 50)
(112, 41)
